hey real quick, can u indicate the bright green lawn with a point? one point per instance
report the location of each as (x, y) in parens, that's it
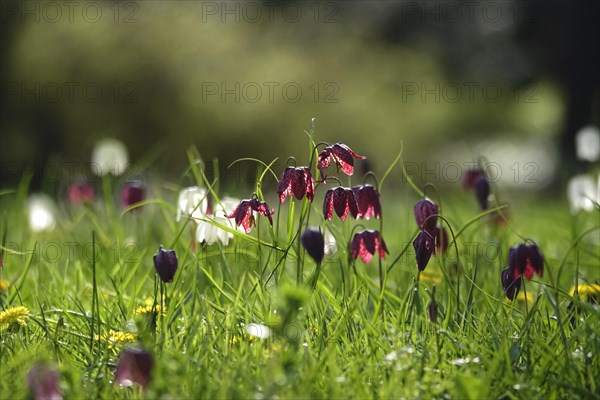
(342, 340)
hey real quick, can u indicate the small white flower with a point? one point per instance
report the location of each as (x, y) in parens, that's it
(330, 243)
(40, 209)
(258, 330)
(581, 192)
(210, 234)
(192, 201)
(109, 156)
(226, 206)
(587, 143)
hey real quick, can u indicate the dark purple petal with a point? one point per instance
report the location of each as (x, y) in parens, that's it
(470, 176)
(298, 183)
(310, 184)
(132, 193)
(355, 246)
(369, 241)
(531, 261)
(262, 208)
(510, 284)
(381, 246)
(365, 244)
(283, 189)
(328, 205)
(441, 240)
(324, 161)
(351, 203)
(165, 263)
(367, 200)
(424, 247)
(512, 258)
(343, 158)
(340, 202)
(314, 243)
(426, 215)
(482, 191)
(135, 366)
(43, 382)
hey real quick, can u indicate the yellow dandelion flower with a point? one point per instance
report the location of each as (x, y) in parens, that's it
(4, 285)
(529, 299)
(148, 310)
(16, 316)
(430, 277)
(116, 337)
(586, 291)
(120, 337)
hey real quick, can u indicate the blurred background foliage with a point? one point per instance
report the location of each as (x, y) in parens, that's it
(154, 61)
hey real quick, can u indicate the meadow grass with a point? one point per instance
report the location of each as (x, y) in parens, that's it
(91, 290)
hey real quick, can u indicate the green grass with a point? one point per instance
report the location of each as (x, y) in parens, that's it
(344, 339)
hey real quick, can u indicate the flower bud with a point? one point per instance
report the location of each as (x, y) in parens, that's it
(165, 263)
(314, 243)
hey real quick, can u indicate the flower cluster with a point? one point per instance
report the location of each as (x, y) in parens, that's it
(523, 260)
(432, 236)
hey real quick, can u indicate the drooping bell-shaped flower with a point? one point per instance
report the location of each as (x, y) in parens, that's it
(43, 382)
(296, 181)
(135, 366)
(581, 191)
(424, 247)
(510, 284)
(441, 240)
(132, 193)
(426, 215)
(341, 155)
(109, 157)
(341, 200)
(165, 263)
(526, 260)
(470, 176)
(366, 244)
(243, 213)
(314, 243)
(192, 201)
(482, 191)
(367, 200)
(80, 192)
(210, 234)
